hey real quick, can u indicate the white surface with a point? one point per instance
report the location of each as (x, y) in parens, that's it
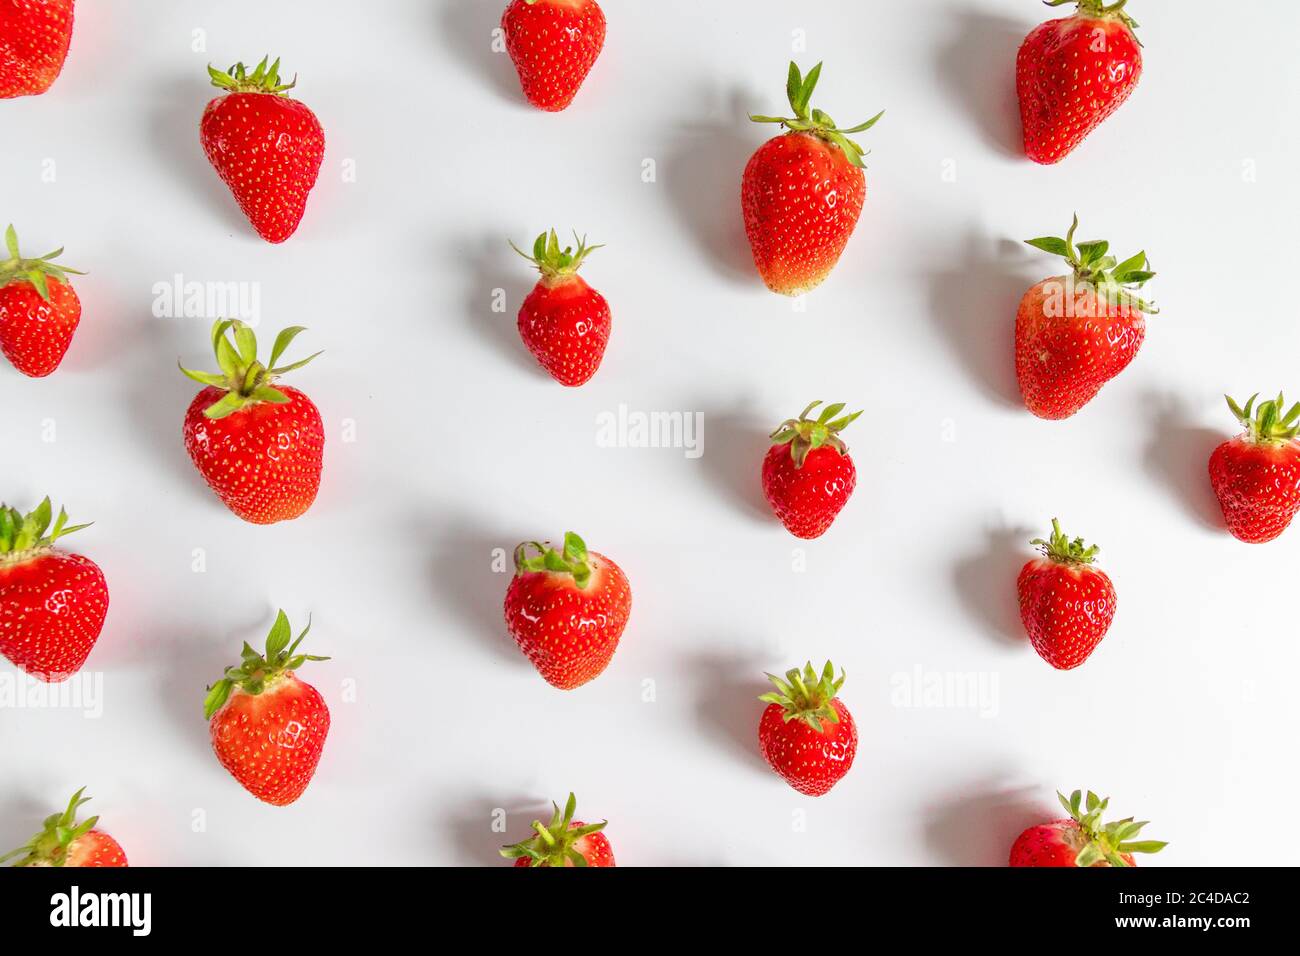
(1184, 715)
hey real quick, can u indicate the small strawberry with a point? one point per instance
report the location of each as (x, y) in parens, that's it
(803, 192)
(1257, 474)
(1066, 604)
(52, 603)
(39, 311)
(268, 727)
(566, 610)
(563, 842)
(258, 445)
(266, 147)
(1082, 840)
(65, 842)
(808, 475)
(564, 322)
(34, 39)
(1073, 73)
(806, 734)
(554, 44)
(1075, 333)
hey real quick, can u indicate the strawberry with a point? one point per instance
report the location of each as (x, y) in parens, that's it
(554, 44)
(1075, 333)
(1073, 73)
(806, 734)
(1066, 604)
(65, 842)
(34, 38)
(566, 610)
(258, 445)
(268, 727)
(1257, 474)
(808, 475)
(563, 842)
(803, 192)
(266, 147)
(564, 322)
(39, 311)
(52, 603)
(1082, 840)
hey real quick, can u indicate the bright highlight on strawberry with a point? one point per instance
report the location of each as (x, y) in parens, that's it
(1066, 603)
(1082, 840)
(34, 40)
(806, 734)
(563, 842)
(65, 842)
(1257, 474)
(39, 311)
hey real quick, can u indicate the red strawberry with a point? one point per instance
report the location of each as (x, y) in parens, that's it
(266, 147)
(52, 603)
(1066, 604)
(1257, 474)
(65, 842)
(564, 322)
(39, 311)
(803, 192)
(563, 842)
(1073, 73)
(268, 727)
(805, 733)
(808, 475)
(566, 610)
(258, 445)
(1082, 840)
(1075, 333)
(554, 44)
(34, 38)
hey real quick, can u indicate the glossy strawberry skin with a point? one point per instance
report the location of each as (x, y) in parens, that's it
(809, 761)
(566, 324)
(1051, 845)
(95, 849)
(34, 40)
(35, 334)
(801, 199)
(1071, 74)
(553, 44)
(594, 847)
(1066, 610)
(263, 461)
(808, 499)
(1258, 486)
(52, 610)
(271, 742)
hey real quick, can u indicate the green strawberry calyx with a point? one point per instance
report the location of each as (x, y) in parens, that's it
(37, 271)
(245, 380)
(263, 79)
(1105, 841)
(1064, 550)
(799, 89)
(1099, 10)
(572, 559)
(804, 434)
(554, 844)
(554, 263)
(50, 847)
(257, 672)
(23, 536)
(1117, 282)
(1267, 424)
(805, 696)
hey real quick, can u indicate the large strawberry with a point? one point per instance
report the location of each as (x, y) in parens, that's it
(808, 475)
(34, 38)
(259, 445)
(806, 733)
(563, 842)
(1257, 474)
(52, 603)
(1082, 839)
(803, 192)
(1076, 332)
(266, 147)
(39, 311)
(554, 44)
(65, 842)
(268, 727)
(567, 610)
(564, 322)
(1073, 73)
(1066, 603)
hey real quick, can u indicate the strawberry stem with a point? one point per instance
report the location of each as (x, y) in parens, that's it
(1267, 424)
(552, 261)
(263, 79)
(554, 844)
(572, 560)
(256, 672)
(36, 271)
(50, 846)
(1105, 841)
(799, 90)
(1062, 550)
(1116, 282)
(805, 696)
(245, 380)
(804, 434)
(20, 534)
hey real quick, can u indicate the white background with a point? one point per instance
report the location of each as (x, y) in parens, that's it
(1184, 715)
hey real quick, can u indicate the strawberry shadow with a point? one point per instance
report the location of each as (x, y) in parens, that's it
(490, 264)
(1178, 457)
(977, 68)
(986, 584)
(977, 825)
(727, 704)
(465, 28)
(470, 834)
(735, 442)
(21, 813)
